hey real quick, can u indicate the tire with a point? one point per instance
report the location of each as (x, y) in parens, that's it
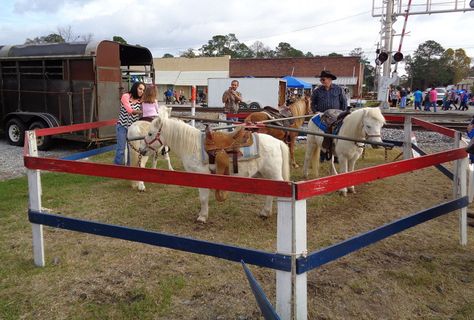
(243, 106)
(43, 143)
(254, 106)
(15, 132)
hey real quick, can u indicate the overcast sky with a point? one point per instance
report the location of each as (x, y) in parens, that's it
(173, 26)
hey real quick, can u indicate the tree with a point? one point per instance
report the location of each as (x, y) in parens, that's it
(427, 67)
(334, 54)
(168, 55)
(284, 49)
(369, 71)
(119, 39)
(308, 54)
(457, 63)
(63, 34)
(260, 50)
(188, 53)
(50, 38)
(220, 45)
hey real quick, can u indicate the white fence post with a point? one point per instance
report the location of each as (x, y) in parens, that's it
(291, 289)
(463, 192)
(407, 151)
(457, 166)
(34, 193)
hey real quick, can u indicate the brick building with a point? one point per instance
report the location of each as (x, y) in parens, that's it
(349, 70)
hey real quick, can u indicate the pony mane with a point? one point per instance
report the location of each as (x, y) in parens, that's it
(184, 138)
(300, 107)
(353, 122)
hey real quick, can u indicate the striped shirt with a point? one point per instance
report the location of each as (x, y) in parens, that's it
(322, 99)
(126, 119)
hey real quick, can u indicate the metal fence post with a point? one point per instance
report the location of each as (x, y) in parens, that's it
(34, 193)
(291, 289)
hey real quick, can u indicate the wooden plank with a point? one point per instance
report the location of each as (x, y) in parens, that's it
(180, 178)
(218, 250)
(331, 253)
(434, 127)
(306, 189)
(74, 127)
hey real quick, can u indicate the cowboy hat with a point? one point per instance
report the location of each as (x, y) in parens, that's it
(327, 74)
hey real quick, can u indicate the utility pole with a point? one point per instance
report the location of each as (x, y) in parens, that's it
(388, 11)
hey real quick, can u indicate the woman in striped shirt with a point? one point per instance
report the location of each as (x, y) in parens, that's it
(130, 110)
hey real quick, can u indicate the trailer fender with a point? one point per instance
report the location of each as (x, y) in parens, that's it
(16, 123)
(29, 117)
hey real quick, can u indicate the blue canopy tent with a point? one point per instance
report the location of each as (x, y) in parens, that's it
(292, 82)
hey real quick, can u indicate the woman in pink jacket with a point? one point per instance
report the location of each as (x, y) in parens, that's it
(433, 95)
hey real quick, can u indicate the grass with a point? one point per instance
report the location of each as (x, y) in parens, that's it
(420, 274)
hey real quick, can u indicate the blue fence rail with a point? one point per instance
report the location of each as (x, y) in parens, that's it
(328, 254)
(223, 251)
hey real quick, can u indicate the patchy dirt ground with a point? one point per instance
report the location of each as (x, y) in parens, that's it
(422, 273)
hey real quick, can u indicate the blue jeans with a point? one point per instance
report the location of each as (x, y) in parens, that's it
(434, 105)
(121, 132)
(403, 102)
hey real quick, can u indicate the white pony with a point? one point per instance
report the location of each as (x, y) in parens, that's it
(363, 124)
(185, 141)
(136, 130)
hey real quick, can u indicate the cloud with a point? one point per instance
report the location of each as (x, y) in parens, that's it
(23, 6)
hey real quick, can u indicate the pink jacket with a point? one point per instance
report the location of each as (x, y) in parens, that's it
(433, 95)
(126, 102)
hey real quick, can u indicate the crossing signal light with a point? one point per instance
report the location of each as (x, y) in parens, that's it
(381, 58)
(398, 56)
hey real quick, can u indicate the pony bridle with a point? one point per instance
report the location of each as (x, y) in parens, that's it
(156, 138)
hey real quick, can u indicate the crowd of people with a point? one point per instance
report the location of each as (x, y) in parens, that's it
(428, 100)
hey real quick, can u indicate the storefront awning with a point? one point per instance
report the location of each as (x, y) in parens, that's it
(187, 78)
(342, 81)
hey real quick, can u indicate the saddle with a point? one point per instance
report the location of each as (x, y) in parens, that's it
(281, 113)
(220, 147)
(332, 119)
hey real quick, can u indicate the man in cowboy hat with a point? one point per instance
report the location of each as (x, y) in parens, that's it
(328, 95)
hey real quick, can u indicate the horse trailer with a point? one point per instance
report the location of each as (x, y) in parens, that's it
(57, 84)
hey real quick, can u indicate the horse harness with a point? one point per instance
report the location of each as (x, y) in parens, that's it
(164, 150)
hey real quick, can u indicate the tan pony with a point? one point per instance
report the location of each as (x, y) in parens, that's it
(300, 107)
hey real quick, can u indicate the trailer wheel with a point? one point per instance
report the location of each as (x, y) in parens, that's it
(243, 105)
(15, 130)
(254, 106)
(43, 143)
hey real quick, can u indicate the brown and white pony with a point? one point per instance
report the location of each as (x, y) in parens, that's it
(300, 107)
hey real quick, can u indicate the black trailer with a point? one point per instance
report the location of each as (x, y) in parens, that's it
(49, 85)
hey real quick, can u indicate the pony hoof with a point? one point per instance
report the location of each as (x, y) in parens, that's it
(201, 220)
(141, 187)
(351, 190)
(296, 166)
(264, 214)
(343, 193)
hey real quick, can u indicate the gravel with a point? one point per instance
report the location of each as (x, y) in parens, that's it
(12, 162)
(11, 157)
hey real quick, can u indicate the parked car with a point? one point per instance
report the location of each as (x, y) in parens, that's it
(440, 92)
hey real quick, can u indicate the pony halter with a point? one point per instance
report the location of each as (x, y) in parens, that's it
(156, 138)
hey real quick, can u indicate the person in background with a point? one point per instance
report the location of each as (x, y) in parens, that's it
(418, 96)
(168, 95)
(231, 99)
(149, 104)
(403, 98)
(393, 97)
(130, 110)
(433, 97)
(464, 97)
(470, 135)
(328, 95)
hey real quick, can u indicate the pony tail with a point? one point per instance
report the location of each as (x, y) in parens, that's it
(286, 161)
(314, 162)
